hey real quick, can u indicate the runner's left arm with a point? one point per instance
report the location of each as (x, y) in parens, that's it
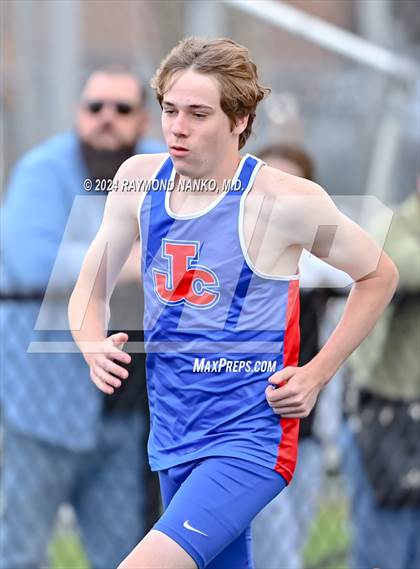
(311, 218)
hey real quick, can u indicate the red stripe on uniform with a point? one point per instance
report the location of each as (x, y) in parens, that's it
(287, 450)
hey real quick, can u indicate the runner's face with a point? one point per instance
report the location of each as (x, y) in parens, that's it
(196, 130)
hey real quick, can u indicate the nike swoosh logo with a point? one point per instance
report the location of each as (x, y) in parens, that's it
(187, 526)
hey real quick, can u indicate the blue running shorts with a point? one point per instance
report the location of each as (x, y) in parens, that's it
(209, 505)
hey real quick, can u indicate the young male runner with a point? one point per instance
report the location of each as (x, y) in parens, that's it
(221, 307)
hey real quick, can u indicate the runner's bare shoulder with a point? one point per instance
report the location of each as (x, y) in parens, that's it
(139, 167)
(130, 182)
(275, 183)
(297, 206)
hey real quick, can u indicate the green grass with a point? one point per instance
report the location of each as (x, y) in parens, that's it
(67, 553)
(329, 538)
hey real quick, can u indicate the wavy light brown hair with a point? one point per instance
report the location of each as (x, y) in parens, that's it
(229, 62)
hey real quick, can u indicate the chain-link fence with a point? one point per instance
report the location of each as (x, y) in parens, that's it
(74, 463)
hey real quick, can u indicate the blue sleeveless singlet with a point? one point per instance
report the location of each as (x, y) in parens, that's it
(215, 330)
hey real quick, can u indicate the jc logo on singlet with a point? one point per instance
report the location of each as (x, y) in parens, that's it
(185, 280)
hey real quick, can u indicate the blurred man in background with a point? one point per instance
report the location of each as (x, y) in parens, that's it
(289, 514)
(381, 442)
(62, 443)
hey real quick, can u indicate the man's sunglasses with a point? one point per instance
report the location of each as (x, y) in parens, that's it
(96, 107)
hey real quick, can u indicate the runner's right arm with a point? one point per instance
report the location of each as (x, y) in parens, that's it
(89, 303)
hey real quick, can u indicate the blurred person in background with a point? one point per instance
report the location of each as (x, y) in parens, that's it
(380, 438)
(62, 442)
(290, 513)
